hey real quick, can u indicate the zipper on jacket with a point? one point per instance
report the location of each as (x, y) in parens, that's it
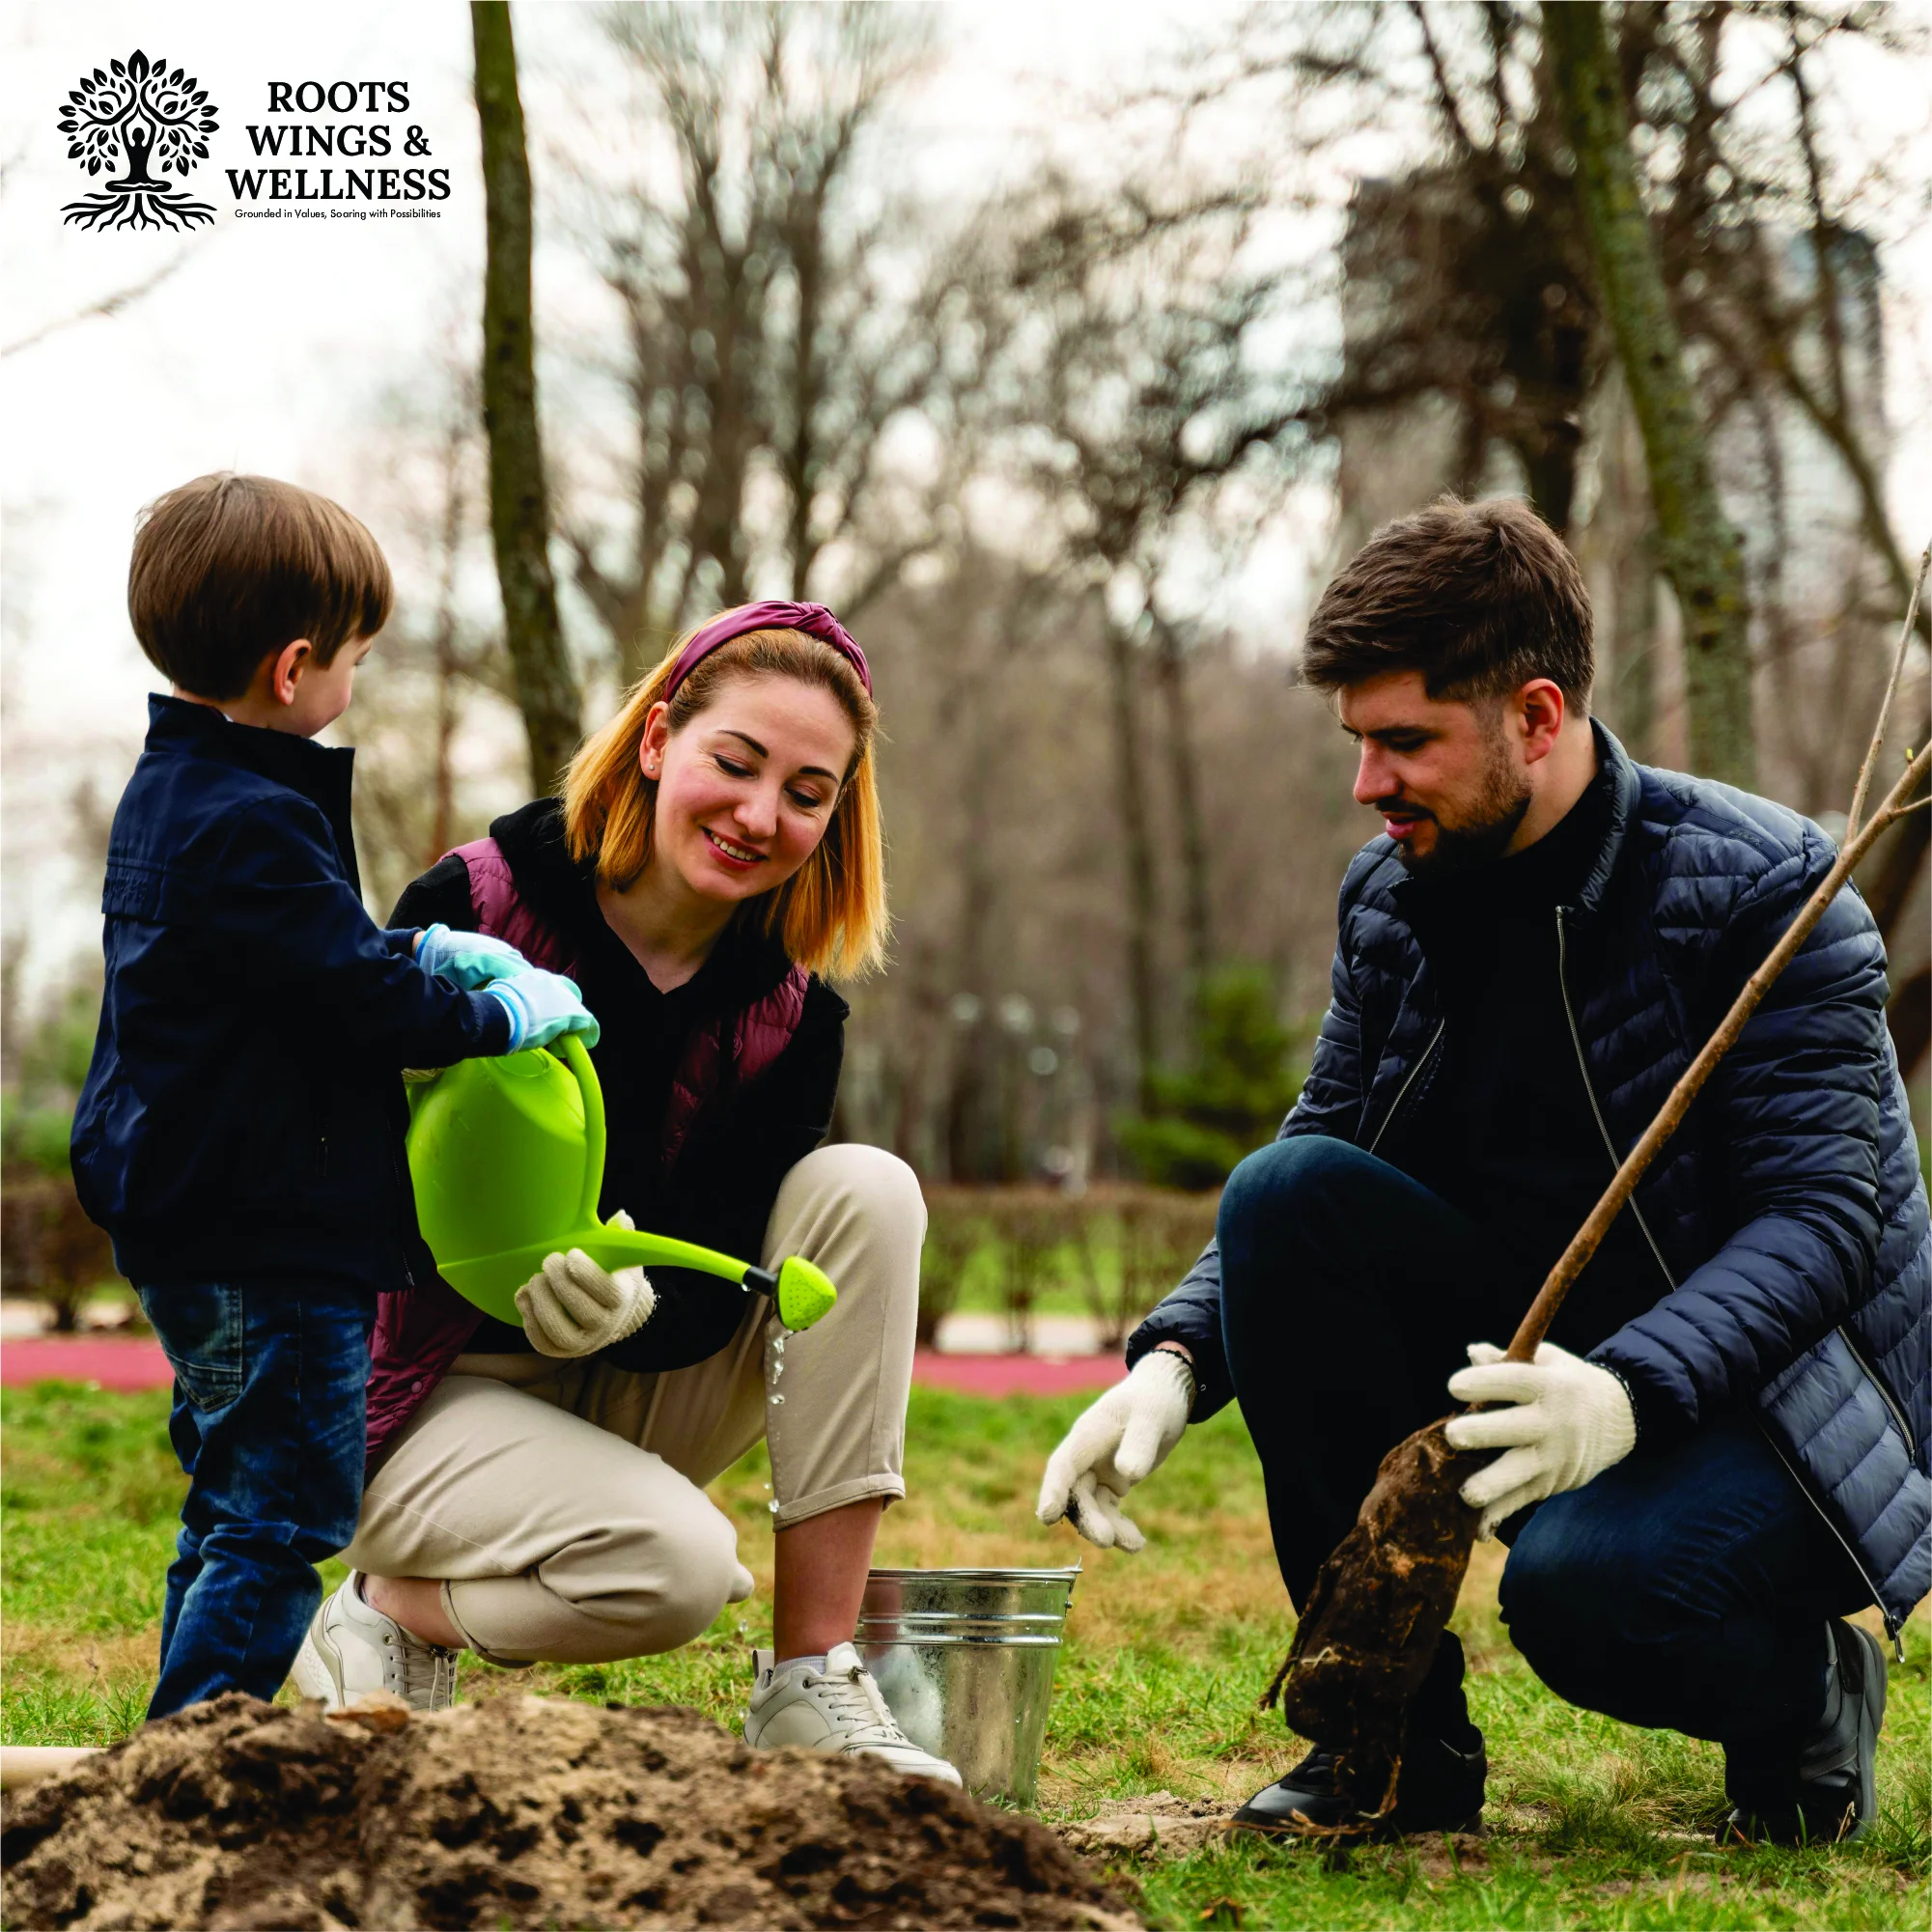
(1583, 1068)
(1891, 1629)
(1877, 1380)
(1402, 1092)
(1804, 1488)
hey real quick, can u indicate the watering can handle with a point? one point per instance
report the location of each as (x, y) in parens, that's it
(637, 1248)
(800, 1291)
(577, 1059)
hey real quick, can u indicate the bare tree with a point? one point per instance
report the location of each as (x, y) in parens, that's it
(764, 338)
(1698, 547)
(1466, 279)
(1475, 351)
(107, 305)
(1147, 388)
(440, 736)
(520, 517)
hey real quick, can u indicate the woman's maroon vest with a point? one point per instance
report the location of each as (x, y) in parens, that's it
(421, 1331)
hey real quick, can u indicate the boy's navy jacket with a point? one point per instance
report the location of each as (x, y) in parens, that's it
(1786, 1214)
(243, 1112)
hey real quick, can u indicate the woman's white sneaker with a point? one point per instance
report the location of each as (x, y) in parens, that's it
(352, 1649)
(837, 1710)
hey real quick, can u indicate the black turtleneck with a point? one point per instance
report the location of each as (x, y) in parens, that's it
(1502, 1124)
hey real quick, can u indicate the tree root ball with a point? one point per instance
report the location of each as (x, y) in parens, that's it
(518, 1811)
(1377, 1612)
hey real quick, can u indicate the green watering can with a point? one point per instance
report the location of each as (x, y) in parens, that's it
(507, 1157)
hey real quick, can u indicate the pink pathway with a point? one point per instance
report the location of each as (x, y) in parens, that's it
(129, 1362)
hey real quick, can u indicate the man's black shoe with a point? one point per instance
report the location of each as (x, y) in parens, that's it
(1440, 1788)
(1826, 1791)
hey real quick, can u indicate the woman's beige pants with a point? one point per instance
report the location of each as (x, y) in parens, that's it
(563, 1502)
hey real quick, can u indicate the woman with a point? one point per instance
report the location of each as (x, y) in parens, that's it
(537, 1492)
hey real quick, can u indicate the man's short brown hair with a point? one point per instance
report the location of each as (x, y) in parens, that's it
(1480, 598)
(228, 570)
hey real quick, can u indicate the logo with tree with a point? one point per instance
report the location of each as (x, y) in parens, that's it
(136, 114)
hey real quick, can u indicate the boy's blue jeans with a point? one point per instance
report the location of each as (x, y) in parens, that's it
(267, 1421)
(1686, 1588)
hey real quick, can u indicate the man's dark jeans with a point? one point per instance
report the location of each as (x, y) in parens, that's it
(269, 1422)
(1684, 1589)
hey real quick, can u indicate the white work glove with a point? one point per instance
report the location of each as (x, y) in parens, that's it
(1121, 1441)
(575, 1308)
(1568, 1420)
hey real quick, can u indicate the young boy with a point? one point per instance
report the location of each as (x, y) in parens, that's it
(240, 1130)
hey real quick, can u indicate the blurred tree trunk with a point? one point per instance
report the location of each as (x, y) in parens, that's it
(1137, 851)
(451, 664)
(1697, 549)
(966, 1093)
(1171, 664)
(1895, 868)
(1894, 871)
(1910, 1017)
(519, 521)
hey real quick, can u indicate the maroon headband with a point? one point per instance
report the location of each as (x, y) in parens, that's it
(813, 619)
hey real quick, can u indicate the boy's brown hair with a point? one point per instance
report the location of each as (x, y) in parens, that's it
(1480, 598)
(228, 570)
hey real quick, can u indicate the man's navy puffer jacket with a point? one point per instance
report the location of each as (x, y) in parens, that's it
(1787, 1212)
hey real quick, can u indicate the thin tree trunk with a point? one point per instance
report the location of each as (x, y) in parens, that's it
(519, 517)
(448, 664)
(808, 250)
(966, 1093)
(1910, 1017)
(1636, 619)
(442, 810)
(972, 681)
(1699, 549)
(1196, 899)
(1895, 871)
(1138, 854)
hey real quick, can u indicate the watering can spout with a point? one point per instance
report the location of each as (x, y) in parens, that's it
(506, 1157)
(802, 1291)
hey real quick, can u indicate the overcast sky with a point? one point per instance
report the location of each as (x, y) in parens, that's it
(269, 344)
(271, 340)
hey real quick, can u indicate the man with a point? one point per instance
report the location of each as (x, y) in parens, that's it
(1722, 1451)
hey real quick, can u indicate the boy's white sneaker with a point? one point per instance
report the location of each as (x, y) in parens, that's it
(837, 1710)
(352, 1649)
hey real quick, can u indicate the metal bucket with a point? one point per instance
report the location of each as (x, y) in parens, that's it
(966, 1660)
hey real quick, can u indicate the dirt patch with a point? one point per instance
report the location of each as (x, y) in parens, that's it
(96, 1659)
(516, 1813)
(1161, 1826)
(1158, 1825)
(1446, 1855)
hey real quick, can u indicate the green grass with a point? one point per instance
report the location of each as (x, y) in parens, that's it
(1591, 1823)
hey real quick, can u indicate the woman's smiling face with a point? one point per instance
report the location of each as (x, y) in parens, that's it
(745, 790)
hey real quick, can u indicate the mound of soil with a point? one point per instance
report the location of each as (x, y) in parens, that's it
(519, 1812)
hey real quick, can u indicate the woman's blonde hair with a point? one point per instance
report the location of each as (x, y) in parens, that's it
(830, 914)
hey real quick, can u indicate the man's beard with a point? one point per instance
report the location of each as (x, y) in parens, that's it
(1502, 803)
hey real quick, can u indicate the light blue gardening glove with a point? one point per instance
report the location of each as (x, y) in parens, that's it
(468, 960)
(541, 1005)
